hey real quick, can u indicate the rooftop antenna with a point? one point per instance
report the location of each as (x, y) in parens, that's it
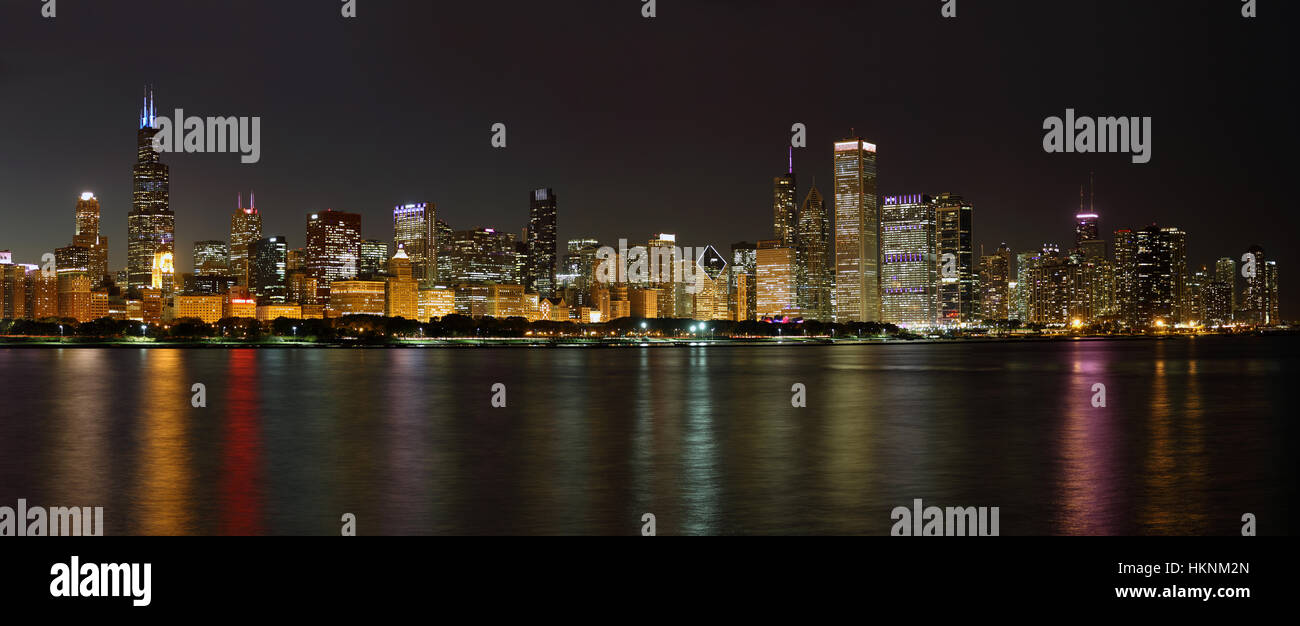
(252, 200)
(239, 200)
(1092, 179)
(791, 149)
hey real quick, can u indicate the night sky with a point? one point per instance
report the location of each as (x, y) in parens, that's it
(671, 124)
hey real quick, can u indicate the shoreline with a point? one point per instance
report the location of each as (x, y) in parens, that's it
(510, 342)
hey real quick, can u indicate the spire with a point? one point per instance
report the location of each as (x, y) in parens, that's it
(252, 200)
(791, 159)
(239, 200)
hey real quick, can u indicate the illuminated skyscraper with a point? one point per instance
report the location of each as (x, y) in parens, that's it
(785, 206)
(1256, 301)
(744, 281)
(211, 258)
(1160, 263)
(909, 267)
(151, 225)
(333, 248)
(995, 279)
(542, 249)
(776, 276)
(72, 264)
(374, 259)
(1126, 276)
(665, 255)
(957, 295)
(268, 269)
(415, 232)
(857, 233)
(1177, 242)
(245, 230)
(87, 235)
(816, 272)
(482, 255)
(401, 289)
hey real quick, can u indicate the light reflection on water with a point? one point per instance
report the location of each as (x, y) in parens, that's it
(1194, 434)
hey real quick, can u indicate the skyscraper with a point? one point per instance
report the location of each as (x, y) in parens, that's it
(816, 275)
(1159, 262)
(542, 243)
(211, 258)
(333, 246)
(744, 281)
(1255, 304)
(908, 269)
(1126, 276)
(87, 235)
(151, 225)
(957, 295)
(785, 206)
(245, 230)
(374, 259)
(995, 279)
(857, 233)
(776, 288)
(415, 233)
(268, 269)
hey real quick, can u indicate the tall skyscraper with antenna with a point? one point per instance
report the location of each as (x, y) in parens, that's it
(245, 230)
(151, 224)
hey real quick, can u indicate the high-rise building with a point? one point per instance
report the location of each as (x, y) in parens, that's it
(87, 235)
(13, 291)
(402, 289)
(1126, 276)
(72, 264)
(1225, 271)
(957, 293)
(333, 247)
(211, 258)
(268, 269)
(1160, 265)
(579, 270)
(908, 264)
(995, 280)
(1025, 261)
(785, 217)
(1255, 300)
(816, 272)
(665, 254)
(1177, 242)
(1274, 304)
(542, 242)
(245, 230)
(151, 224)
(776, 276)
(374, 259)
(482, 255)
(744, 281)
(415, 232)
(857, 233)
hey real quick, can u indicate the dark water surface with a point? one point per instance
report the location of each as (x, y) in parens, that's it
(1195, 433)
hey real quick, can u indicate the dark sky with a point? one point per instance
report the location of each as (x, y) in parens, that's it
(673, 124)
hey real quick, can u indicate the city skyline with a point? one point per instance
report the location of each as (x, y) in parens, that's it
(991, 156)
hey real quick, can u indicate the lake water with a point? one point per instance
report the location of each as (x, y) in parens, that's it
(1195, 432)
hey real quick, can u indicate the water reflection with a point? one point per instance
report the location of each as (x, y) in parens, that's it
(703, 437)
